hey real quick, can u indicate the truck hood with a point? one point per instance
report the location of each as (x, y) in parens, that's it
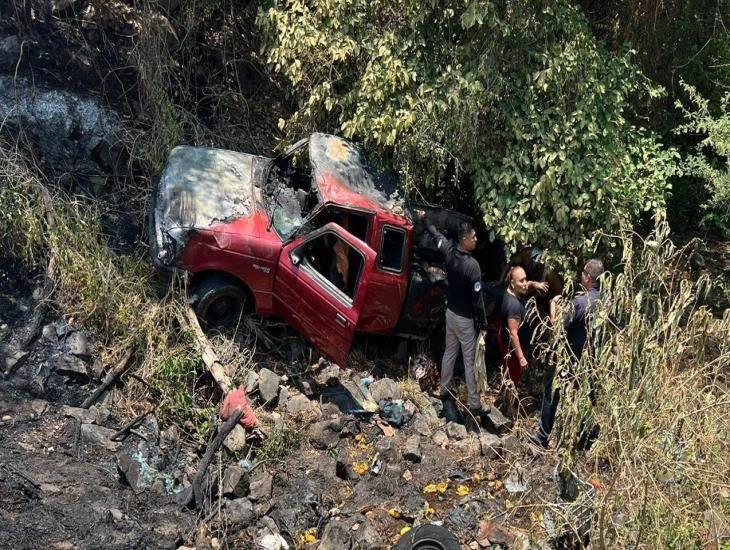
(199, 187)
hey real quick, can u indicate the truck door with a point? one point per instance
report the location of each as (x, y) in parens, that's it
(320, 288)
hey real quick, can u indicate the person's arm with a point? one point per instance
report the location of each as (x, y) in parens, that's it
(513, 327)
(442, 243)
(539, 287)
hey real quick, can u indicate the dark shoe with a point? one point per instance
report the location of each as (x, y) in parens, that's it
(450, 412)
(480, 413)
(471, 424)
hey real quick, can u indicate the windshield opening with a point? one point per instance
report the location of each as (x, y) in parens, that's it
(290, 191)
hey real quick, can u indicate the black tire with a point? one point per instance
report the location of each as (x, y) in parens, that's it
(428, 537)
(220, 302)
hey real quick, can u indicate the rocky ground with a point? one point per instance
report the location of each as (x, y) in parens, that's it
(353, 459)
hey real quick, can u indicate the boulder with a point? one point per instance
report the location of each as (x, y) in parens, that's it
(325, 435)
(385, 388)
(299, 404)
(495, 533)
(236, 482)
(491, 445)
(252, 382)
(496, 422)
(98, 435)
(73, 367)
(15, 360)
(78, 344)
(422, 425)
(412, 451)
(456, 431)
(440, 438)
(236, 440)
(260, 486)
(386, 448)
(49, 332)
(240, 512)
(268, 385)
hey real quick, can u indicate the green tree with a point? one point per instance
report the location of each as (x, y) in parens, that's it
(711, 161)
(516, 98)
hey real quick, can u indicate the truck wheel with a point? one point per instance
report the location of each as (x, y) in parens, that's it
(428, 537)
(219, 302)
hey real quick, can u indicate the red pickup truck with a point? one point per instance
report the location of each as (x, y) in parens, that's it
(318, 237)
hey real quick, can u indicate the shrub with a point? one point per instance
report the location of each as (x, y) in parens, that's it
(711, 161)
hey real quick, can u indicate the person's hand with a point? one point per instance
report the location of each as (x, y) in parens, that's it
(523, 363)
(557, 299)
(541, 287)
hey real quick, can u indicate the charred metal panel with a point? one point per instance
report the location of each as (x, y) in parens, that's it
(349, 166)
(198, 188)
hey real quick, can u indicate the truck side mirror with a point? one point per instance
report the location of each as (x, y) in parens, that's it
(295, 257)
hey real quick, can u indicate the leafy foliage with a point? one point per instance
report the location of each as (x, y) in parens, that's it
(711, 161)
(519, 100)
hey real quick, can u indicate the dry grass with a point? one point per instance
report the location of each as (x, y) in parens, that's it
(657, 386)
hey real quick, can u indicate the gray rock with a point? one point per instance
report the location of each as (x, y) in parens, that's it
(456, 431)
(15, 360)
(325, 434)
(491, 445)
(422, 425)
(236, 482)
(268, 385)
(412, 507)
(299, 404)
(329, 375)
(49, 333)
(38, 407)
(86, 416)
(252, 382)
(496, 422)
(72, 367)
(385, 388)
(236, 440)
(240, 511)
(78, 344)
(412, 450)
(98, 435)
(366, 537)
(386, 448)
(261, 508)
(336, 536)
(512, 444)
(440, 438)
(260, 486)
(437, 405)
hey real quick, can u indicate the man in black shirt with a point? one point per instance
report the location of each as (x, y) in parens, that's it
(465, 308)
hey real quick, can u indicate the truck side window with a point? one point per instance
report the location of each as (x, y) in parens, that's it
(338, 265)
(391, 250)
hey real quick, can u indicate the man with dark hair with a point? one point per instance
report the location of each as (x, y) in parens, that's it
(577, 320)
(465, 310)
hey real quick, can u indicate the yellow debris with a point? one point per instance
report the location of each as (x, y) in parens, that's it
(310, 535)
(430, 510)
(462, 490)
(360, 467)
(441, 487)
(394, 513)
(404, 530)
